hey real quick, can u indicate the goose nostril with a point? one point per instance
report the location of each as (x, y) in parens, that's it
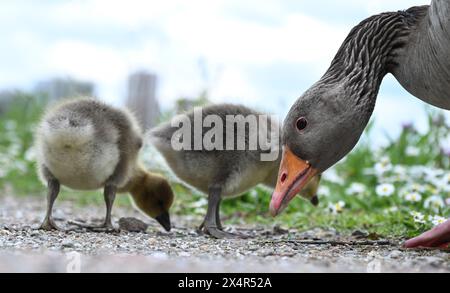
(283, 177)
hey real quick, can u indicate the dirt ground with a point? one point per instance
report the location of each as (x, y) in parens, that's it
(270, 249)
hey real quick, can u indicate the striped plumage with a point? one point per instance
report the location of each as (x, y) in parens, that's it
(413, 45)
(370, 51)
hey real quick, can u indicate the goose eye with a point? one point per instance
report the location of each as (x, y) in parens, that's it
(301, 124)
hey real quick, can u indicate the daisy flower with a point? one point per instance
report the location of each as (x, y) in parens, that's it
(356, 188)
(413, 197)
(418, 218)
(385, 190)
(417, 188)
(383, 167)
(437, 220)
(336, 208)
(434, 203)
(412, 151)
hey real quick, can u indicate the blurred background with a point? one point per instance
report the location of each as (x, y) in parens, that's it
(262, 55)
(163, 57)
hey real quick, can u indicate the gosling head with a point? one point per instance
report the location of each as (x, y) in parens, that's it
(153, 195)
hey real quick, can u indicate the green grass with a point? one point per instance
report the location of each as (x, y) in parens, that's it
(411, 159)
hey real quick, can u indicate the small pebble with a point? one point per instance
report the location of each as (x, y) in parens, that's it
(67, 244)
(359, 234)
(132, 225)
(35, 233)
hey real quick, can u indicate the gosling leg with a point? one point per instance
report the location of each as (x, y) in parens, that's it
(110, 196)
(218, 222)
(212, 225)
(52, 193)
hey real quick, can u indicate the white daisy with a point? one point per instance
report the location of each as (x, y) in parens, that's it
(417, 188)
(437, 220)
(413, 197)
(336, 208)
(418, 217)
(383, 167)
(412, 151)
(434, 203)
(385, 190)
(432, 175)
(356, 188)
(443, 183)
(417, 171)
(401, 173)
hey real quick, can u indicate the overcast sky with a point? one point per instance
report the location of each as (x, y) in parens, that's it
(263, 54)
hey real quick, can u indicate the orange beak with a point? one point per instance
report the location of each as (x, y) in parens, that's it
(294, 175)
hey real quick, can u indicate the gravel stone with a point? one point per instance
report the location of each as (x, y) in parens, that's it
(132, 225)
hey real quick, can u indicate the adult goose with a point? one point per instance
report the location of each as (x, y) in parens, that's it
(326, 122)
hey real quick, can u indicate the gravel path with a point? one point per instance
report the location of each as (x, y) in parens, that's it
(24, 249)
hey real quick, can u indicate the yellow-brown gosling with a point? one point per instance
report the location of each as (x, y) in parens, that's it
(85, 144)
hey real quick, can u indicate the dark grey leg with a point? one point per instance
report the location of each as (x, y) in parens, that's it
(110, 195)
(53, 191)
(218, 222)
(212, 225)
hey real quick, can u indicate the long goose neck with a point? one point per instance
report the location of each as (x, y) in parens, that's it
(370, 52)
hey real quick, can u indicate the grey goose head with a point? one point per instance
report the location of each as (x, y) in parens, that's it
(327, 121)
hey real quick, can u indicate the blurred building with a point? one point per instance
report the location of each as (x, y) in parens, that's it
(59, 88)
(6, 98)
(142, 98)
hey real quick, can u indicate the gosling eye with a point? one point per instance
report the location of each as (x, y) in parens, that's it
(301, 124)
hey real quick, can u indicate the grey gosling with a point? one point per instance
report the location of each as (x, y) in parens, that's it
(221, 173)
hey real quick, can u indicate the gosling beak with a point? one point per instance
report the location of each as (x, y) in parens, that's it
(315, 201)
(294, 175)
(164, 220)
